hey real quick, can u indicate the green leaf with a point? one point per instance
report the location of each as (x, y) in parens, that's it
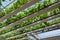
(3, 0)
(0, 3)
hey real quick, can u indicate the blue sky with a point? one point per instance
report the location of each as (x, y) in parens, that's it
(46, 34)
(6, 3)
(50, 34)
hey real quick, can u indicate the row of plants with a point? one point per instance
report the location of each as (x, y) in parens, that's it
(32, 20)
(32, 28)
(38, 6)
(24, 38)
(42, 25)
(14, 6)
(18, 37)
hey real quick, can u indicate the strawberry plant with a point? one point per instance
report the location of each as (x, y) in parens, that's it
(32, 20)
(14, 6)
(35, 27)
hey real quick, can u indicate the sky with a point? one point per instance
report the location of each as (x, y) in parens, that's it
(50, 34)
(6, 3)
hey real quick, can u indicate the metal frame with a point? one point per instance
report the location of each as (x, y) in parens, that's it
(19, 9)
(32, 16)
(8, 4)
(49, 28)
(38, 22)
(38, 30)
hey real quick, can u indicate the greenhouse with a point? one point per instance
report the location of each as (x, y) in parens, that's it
(29, 19)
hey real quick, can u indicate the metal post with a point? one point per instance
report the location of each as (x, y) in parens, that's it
(35, 36)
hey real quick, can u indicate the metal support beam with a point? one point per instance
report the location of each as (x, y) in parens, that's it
(35, 36)
(26, 5)
(35, 31)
